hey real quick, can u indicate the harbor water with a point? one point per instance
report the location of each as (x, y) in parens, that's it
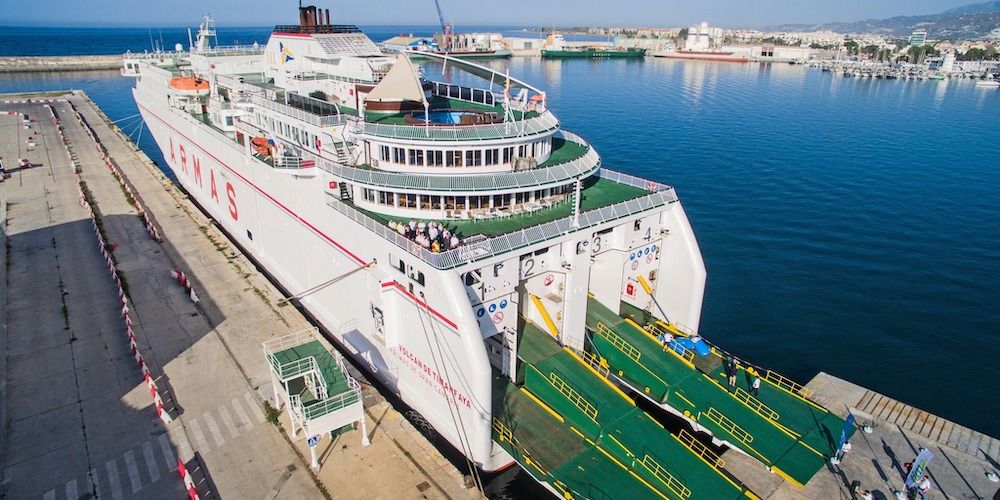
(849, 226)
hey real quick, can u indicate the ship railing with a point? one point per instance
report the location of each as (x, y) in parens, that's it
(334, 403)
(700, 449)
(787, 384)
(728, 425)
(299, 114)
(668, 479)
(581, 167)
(467, 94)
(543, 123)
(233, 50)
(755, 404)
(272, 347)
(512, 241)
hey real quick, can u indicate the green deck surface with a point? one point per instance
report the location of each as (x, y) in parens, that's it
(797, 443)
(597, 193)
(617, 434)
(563, 151)
(336, 381)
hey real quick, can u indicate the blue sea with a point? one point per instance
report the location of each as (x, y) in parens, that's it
(849, 226)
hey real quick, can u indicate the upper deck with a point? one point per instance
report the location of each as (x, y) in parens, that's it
(610, 197)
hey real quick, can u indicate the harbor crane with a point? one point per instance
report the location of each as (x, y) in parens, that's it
(445, 28)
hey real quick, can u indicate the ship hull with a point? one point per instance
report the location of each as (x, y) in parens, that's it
(593, 54)
(702, 56)
(281, 220)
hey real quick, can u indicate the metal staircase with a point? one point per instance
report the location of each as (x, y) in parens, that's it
(313, 384)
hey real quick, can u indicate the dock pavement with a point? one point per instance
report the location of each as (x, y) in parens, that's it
(77, 416)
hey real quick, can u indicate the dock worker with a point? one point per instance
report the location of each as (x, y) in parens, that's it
(666, 339)
(755, 387)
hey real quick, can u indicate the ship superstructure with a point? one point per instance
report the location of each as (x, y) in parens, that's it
(469, 253)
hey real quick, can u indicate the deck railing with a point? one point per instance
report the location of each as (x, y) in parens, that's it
(573, 396)
(668, 479)
(689, 441)
(334, 403)
(787, 384)
(515, 240)
(545, 122)
(728, 425)
(756, 404)
(311, 118)
(581, 167)
(619, 343)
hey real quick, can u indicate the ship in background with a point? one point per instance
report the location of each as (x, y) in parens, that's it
(703, 42)
(476, 258)
(556, 47)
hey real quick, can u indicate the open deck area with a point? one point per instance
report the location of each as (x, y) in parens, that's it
(597, 193)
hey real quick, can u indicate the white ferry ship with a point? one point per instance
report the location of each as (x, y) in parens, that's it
(474, 257)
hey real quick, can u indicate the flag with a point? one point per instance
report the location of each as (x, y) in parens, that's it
(848, 425)
(919, 468)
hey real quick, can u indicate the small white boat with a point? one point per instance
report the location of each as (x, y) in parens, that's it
(988, 83)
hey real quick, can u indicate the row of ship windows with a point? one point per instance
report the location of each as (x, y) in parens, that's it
(450, 158)
(437, 202)
(295, 134)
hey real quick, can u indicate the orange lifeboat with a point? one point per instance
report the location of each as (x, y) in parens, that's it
(189, 85)
(261, 146)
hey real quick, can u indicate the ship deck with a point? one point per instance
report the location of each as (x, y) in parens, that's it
(779, 428)
(597, 193)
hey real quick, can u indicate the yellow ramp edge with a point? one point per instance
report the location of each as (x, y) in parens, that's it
(545, 316)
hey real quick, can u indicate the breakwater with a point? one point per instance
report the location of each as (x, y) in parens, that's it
(30, 64)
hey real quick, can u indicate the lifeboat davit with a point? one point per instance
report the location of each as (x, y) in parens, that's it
(189, 85)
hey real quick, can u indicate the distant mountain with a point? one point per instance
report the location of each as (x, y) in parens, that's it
(979, 20)
(975, 8)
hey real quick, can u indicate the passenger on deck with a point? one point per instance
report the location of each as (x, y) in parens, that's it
(755, 388)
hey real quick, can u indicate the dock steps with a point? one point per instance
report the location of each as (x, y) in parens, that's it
(928, 425)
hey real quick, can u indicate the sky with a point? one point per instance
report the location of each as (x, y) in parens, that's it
(545, 13)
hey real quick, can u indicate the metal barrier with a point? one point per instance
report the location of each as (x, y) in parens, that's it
(787, 384)
(619, 343)
(543, 123)
(594, 363)
(573, 396)
(503, 432)
(728, 425)
(755, 404)
(671, 482)
(689, 442)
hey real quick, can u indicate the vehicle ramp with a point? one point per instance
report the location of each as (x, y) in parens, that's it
(780, 427)
(572, 429)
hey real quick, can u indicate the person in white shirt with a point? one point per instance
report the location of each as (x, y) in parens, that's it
(755, 387)
(844, 449)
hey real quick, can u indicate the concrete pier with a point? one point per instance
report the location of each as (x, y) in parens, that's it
(28, 64)
(77, 417)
